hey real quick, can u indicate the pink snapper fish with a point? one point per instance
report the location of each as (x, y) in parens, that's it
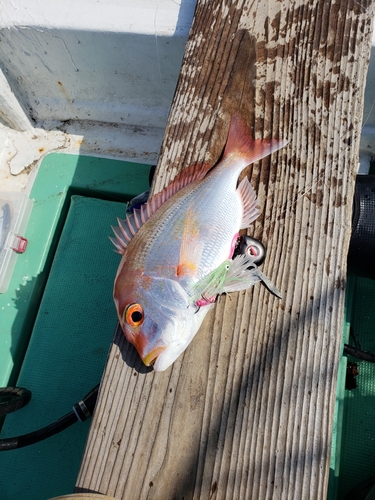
(177, 250)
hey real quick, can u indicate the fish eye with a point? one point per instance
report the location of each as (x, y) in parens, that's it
(134, 314)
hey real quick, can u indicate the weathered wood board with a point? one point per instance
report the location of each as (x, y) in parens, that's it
(247, 411)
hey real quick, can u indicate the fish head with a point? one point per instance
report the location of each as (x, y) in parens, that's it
(157, 317)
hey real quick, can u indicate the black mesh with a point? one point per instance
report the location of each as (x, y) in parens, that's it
(361, 257)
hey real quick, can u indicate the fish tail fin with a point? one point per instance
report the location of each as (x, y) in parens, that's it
(246, 149)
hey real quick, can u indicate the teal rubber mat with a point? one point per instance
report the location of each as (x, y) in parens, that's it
(358, 438)
(67, 353)
(59, 177)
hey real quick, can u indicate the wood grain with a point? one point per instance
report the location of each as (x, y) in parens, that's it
(247, 411)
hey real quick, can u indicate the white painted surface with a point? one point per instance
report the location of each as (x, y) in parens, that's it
(11, 112)
(86, 67)
(111, 61)
(92, 75)
(149, 17)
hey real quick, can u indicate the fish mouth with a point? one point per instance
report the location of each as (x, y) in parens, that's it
(152, 356)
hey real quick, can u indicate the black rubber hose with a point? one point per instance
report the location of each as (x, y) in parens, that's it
(81, 411)
(15, 398)
(358, 353)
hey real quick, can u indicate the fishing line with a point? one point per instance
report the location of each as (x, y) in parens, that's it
(319, 177)
(278, 212)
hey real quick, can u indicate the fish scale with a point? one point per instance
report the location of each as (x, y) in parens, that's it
(217, 233)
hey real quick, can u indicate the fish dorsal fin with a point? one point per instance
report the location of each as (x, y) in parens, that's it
(249, 202)
(186, 177)
(249, 150)
(128, 227)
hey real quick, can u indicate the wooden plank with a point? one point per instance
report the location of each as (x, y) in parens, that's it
(247, 411)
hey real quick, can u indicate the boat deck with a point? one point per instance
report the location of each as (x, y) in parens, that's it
(247, 411)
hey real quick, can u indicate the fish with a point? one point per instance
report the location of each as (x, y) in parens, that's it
(177, 250)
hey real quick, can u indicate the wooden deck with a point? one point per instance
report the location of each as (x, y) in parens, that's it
(247, 411)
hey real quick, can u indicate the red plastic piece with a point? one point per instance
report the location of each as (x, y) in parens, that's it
(20, 244)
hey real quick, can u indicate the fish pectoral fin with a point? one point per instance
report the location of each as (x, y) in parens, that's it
(191, 246)
(186, 269)
(249, 203)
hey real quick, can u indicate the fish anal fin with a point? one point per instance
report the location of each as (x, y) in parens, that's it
(249, 203)
(241, 143)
